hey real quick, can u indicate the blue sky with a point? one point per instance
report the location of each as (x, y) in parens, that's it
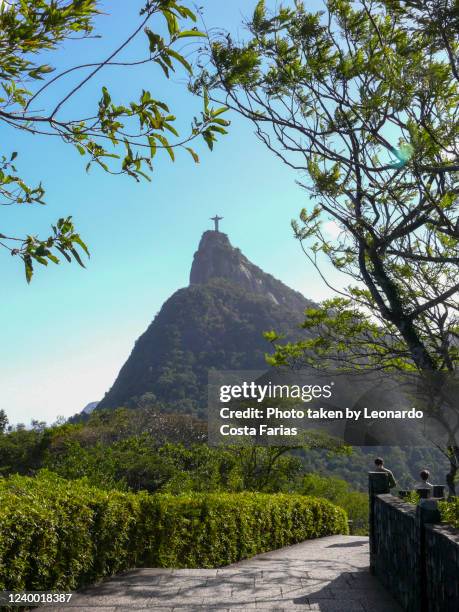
(65, 336)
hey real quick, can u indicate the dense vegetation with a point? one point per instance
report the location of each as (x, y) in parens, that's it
(143, 450)
(56, 534)
(340, 493)
(218, 326)
(406, 463)
(450, 512)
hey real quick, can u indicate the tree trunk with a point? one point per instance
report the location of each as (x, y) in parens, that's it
(451, 475)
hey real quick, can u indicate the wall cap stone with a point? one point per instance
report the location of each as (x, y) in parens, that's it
(446, 531)
(397, 503)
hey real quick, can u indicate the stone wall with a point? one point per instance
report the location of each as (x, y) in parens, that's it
(416, 560)
(396, 550)
(442, 568)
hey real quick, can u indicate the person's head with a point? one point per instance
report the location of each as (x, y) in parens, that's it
(379, 462)
(425, 475)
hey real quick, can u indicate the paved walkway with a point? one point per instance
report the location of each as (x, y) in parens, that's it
(327, 575)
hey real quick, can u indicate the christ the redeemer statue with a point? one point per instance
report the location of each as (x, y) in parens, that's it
(216, 219)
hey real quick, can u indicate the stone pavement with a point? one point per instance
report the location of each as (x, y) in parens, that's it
(328, 575)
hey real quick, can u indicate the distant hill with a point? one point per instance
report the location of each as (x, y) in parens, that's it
(216, 322)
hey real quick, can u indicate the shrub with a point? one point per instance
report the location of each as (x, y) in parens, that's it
(412, 498)
(58, 534)
(450, 512)
(338, 491)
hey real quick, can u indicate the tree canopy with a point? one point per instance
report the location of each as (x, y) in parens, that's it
(361, 98)
(120, 136)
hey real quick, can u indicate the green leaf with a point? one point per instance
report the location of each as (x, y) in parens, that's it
(53, 258)
(106, 96)
(259, 14)
(219, 111)
(28, 268)
(217, 128)
(152, 143)
(180, 59)
(193, 154)
(186, 12)
(76, 238)
(223, 122)
(209, 139)
(155, 40)
(172, 23)
(166, 145)
(64, 253)
(189, 33)
(77, 257)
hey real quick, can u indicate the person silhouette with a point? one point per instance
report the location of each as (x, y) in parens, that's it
(379, 467)
(424, 483)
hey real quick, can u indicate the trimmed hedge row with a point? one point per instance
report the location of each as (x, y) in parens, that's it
(58, 534)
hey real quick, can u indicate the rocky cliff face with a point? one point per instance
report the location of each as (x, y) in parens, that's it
(217, 258)
(215, 323)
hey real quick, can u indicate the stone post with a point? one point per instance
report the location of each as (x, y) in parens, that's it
(426, 512)
(424, 493)
(378, 483)
(438, 491)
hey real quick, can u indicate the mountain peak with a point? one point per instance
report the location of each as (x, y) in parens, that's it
(217, 322)
(212, 239)
(216, 258)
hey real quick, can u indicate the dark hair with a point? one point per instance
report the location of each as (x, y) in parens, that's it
(379, 461)
(424, 474)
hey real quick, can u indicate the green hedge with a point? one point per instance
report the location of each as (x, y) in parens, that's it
(58, 534)
(450, 512)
